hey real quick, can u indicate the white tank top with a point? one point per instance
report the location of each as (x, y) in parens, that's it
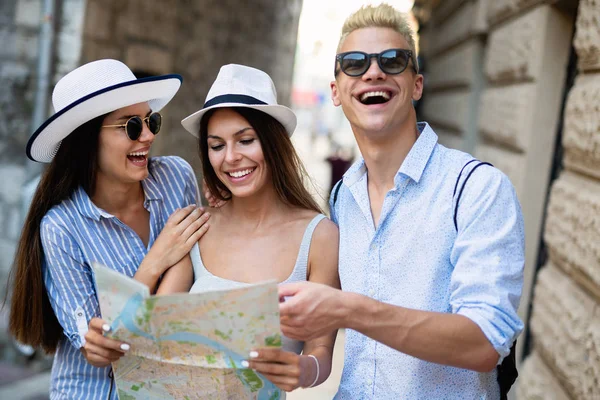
(205, 280)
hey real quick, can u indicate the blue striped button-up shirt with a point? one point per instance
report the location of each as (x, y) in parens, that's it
(415, 258)
(76, 233)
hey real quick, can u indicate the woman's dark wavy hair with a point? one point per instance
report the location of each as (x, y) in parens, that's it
(287, 170)
(32, 319)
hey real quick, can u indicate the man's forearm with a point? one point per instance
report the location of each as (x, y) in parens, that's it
(448, 339)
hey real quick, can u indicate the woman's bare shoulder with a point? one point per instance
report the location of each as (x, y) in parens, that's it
(214, 210)
(326, 231)
(217, 217)
(303, 215)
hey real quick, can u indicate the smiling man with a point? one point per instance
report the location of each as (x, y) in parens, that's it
(431, 240)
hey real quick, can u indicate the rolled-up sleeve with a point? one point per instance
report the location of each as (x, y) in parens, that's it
(488, 258)
(69, 283)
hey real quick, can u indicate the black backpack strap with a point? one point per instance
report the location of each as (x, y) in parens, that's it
(333, 197)
(460, 174)
(479, 164)
(507, 370)
(335, 191)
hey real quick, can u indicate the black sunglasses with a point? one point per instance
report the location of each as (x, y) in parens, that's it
(134, 125)
(391, 61)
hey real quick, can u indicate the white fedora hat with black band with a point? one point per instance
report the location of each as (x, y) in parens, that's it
(91, 90)
(242, 86)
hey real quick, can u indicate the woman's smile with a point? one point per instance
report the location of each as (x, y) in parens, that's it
(139, 157)
(240, 175)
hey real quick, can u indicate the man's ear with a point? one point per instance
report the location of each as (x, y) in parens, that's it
(335, 96)
(418, 88)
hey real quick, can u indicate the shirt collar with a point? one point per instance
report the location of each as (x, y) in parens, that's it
(87, 208)
(414, 164)
(416, 160)
(355, 172)
(151, 188)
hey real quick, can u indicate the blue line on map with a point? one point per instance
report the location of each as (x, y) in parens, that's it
(127, 315)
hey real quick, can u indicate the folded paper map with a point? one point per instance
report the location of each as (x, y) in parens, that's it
(189, 346)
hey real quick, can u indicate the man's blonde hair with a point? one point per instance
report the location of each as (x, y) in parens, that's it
(381, 16)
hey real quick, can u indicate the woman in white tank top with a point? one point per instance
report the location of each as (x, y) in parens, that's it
(269, 227)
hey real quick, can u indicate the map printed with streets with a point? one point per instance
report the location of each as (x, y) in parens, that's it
(189, 346)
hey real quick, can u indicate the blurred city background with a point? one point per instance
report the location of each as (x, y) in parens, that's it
(515, 82)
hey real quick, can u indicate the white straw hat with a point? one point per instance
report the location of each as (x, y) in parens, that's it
(91, 90)
(242, 86)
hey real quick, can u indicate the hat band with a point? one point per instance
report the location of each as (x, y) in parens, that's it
(233, 98)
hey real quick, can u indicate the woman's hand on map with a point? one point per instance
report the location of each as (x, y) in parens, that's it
(183, 229)
(98, 350)
(286, 370)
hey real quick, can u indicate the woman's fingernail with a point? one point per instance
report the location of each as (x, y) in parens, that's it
(253, 354)
(125, 347)
(245, 364)
(106, 328)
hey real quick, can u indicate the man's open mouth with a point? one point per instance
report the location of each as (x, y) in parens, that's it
(375, 97)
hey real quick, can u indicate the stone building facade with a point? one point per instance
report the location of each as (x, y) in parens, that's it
(517, 83)
(191, 38)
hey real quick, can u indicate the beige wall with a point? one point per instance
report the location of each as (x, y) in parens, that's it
(566, 306)
(521, 50)
(453, 48)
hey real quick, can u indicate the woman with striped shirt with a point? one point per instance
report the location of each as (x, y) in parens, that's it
(101, 199)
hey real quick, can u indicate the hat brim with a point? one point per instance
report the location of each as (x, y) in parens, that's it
(284, 115)
(156, 90)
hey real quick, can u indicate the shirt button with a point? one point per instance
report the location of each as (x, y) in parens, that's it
(369, 382)
(371, 292)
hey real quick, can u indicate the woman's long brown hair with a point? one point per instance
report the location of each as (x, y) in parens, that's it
(287, 170)
(32, 319)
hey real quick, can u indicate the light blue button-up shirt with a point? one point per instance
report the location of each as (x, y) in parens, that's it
(74, 234)
(416, 258)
